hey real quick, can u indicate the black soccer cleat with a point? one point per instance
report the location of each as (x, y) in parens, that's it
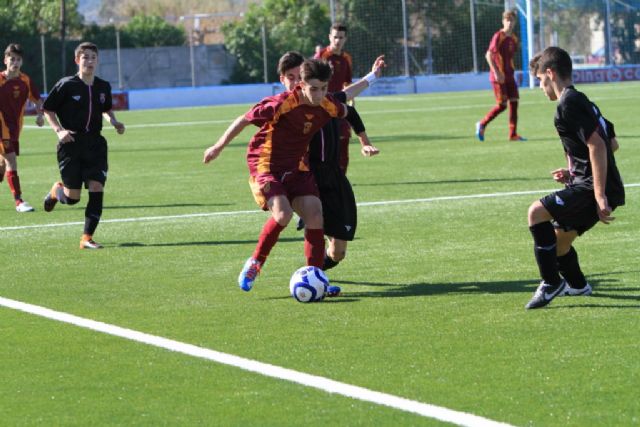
(545, 294)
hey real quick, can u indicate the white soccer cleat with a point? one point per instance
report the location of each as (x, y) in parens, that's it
(576, 292)
(90, 244)
(24, 207)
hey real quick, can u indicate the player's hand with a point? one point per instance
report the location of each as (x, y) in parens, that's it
(378, 65)
(499, 76)
(561, 175)
(39, 120)
(65, 136)
(212, 153)
(604, 210)
(119, 126)
(369, 150)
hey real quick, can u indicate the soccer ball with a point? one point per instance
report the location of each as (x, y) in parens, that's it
(308, 284)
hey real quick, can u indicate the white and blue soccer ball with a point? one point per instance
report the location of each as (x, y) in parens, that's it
(308, 284)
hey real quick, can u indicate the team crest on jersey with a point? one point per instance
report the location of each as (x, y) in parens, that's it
(307, 127)
(103, 98)
(266, 188)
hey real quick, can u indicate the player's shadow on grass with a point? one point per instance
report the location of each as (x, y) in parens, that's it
(428, 289)
(202, 243)
(602, 285)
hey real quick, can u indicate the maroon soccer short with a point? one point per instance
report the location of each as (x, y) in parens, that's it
(290, 184)
(505, 91)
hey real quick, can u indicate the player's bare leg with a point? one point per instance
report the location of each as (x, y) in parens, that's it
(281, 214)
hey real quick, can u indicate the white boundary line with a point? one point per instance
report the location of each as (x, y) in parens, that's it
(320, 383)
(211, 214)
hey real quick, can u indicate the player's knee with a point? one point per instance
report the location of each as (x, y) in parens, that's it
(336, 255)
(562, 248)
(283, 217)
(537, 213)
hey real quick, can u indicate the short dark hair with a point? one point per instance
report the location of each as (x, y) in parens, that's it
(85, 46)
(338, 26)
(14, 48)
(289, 60)
(554, 58)
(315, 69)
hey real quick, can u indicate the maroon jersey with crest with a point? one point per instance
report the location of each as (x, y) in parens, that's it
(286, 128)
(503, 49)
(13, 98)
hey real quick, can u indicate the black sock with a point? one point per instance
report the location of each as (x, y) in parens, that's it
(329, 263)
(93, 212)
(570, 269)
(544, 248)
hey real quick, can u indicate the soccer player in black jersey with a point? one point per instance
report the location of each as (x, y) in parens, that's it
(593, 187)
(75, 109)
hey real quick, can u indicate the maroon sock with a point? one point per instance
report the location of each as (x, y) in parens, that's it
(14, 185)
(267, 240)
(314, 246)
(513, 118)
(493, 113)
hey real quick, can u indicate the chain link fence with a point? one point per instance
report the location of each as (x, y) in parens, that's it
(418, 37)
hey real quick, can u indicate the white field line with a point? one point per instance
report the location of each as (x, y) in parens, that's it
(314, 381)
(212, 214)
(363, 113)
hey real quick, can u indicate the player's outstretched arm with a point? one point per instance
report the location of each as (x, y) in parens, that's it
(111, 118)
(356, 88)
(232, 131)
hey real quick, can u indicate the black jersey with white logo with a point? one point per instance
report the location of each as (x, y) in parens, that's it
(576, 120)
(79, 107)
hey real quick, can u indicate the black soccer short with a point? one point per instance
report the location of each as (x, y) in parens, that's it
(573, 208)
(338, 202)
(83, 160)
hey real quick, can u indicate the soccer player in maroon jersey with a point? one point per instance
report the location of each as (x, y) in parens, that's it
(15, 88)
(342, 66)
(500, 55)
(279, 177)
(339, 209)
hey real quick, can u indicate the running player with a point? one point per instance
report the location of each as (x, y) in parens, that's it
(15, 88)
(75, 109)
